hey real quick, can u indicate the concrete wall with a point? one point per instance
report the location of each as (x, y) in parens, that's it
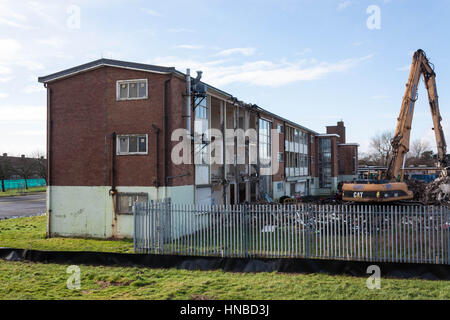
(87, 211)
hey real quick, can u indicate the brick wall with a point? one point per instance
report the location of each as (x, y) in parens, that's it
(347, 160)
(85, 112)
(338, 129)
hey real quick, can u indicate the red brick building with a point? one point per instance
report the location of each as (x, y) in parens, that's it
(112, 139)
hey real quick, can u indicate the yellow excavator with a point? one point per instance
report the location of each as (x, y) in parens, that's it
(391, 187)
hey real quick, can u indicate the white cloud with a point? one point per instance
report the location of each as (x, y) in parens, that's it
(10, 18)
(11, 23)
(21, 113)
(344, 4)
(189, 46)
(262, 73)
(30, 64)
(31, 133)
(4, 70)
(53, 42)
(34, 88)
(3, 95)
(11, 53)
(9, 49)
(242, 51)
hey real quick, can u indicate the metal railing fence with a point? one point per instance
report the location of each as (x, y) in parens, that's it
(413, 234)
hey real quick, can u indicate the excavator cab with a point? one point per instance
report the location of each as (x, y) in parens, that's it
(390, 188)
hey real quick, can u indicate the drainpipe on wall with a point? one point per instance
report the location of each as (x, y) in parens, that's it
(225, 182)
(165, 133)
(156, 182)
(188, 101)
(188, 121)
(49, 156)
(113, 191)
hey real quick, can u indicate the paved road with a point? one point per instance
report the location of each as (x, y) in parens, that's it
(22, 206)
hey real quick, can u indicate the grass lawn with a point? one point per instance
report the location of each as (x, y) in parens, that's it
(27, 280)
(30, 233)
(16, 192)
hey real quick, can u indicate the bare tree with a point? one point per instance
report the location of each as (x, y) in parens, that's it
(367, 159)
(41, 164)
(5, 171)
(418, 147)
(380, 147)
(25, 168)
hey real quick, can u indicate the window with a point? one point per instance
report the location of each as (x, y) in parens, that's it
(264, 140)
(201, 141)
(132, 144)
(280, 156)
(125, 201)
(201, 108)
(280, 128)
(296, 152)
(324, 162)
(280, 186)
(132, 89)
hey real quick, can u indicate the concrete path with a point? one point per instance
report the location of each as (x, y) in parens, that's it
(22, 206)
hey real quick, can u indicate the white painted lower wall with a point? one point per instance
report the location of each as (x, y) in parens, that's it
(87, 211)
(278, 192)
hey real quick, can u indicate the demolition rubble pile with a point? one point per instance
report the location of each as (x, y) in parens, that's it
(418, 188)
(436, 192)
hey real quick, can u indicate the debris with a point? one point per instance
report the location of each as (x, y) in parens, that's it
(418, 188)
(436, 192)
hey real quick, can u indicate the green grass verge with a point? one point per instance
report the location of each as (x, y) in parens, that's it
(26, 280)
(16, 192)
(30, 233)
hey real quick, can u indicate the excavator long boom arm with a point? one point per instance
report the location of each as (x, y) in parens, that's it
(430, 83)
(400, 143)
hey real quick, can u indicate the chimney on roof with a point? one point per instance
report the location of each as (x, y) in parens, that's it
(22, 156)
(5, 154)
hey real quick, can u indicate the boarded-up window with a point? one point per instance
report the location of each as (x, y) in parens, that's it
(125, 201)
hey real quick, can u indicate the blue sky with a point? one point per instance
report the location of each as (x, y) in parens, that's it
(313, 62)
